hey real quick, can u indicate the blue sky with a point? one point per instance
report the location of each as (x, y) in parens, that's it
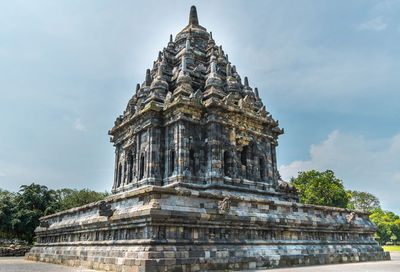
(328, 70)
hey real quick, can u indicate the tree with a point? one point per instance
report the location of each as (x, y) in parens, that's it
(32, 202)
(7, 208)
(321, 188)
(388, 226)
(69, 198)
(395, 229)
(363, 201)
(20, 212)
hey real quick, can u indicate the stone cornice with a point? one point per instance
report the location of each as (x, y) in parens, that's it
(180, 101)
(183, 192)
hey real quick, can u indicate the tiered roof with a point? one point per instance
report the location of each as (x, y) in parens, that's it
(194, 65)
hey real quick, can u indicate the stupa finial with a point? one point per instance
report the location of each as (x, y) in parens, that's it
(234, 69)
(148, 77)
(187, 44)
(246, 82)
(256, 93)
(193, 20)
(159, 71)
(171, 42)
(228, 70)
(184, 64)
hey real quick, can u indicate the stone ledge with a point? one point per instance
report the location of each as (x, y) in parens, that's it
(179, 191)
(205, 242)
(203, 258)
(14, 251)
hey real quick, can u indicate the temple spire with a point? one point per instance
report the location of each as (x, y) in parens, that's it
(193, 20)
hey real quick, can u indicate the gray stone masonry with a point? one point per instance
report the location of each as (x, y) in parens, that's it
(193, 120)
(14, 250)
(184, 227)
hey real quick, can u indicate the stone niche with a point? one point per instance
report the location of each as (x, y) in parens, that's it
(196, 184)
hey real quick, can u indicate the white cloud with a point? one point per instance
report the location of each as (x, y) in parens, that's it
(313, 76)
(362, 164)
(78, 125)
(376, 24)
(2, 174)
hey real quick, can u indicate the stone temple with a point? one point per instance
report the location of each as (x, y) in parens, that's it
(196, 184)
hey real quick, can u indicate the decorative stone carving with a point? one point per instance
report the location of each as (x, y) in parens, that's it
(105, 209)
(350, 217)
(168, 98)
(44, 224)
(263, 112)
(248, 102)
(224, 205)
(196, 96)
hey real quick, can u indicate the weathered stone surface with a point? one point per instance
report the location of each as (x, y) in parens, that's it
(196, 182)
(180, 227)
(14, 250)
(192, 120)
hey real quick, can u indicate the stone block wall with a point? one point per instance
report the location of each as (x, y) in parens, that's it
(185, 227)
(221, 145)
(13, 251)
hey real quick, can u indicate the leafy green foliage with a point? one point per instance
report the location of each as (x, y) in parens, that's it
(321, 188)
(363, 201)
(388, 225)
(32, 202)
(69, 198)
(6, 213)
(20, 212)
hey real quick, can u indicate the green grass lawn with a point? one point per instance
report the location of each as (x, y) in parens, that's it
(391, 248)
